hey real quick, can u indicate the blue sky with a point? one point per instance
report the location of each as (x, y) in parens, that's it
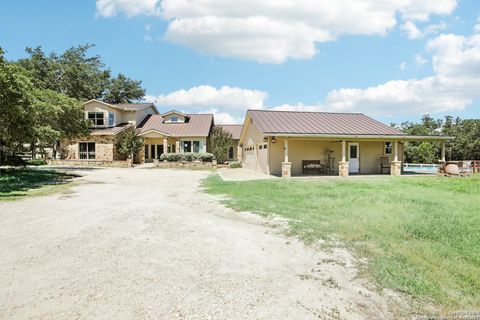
(394, 62)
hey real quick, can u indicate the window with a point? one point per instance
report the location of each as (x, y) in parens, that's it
(87, 150)
(96, 118)
(260, 146)
(265, 146)
(196, 146)
(388, 148)
(353, 152)
(171, 148)
(174, 119)
(146, 151)
(187, 146)
(152, 151)
(159, 150)
(111, 119)
(230, 153)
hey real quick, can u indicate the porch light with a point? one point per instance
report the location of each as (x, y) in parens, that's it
(274, 140)
(265, 139)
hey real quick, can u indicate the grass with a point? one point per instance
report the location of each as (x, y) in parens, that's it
(16, 183)
(421, 235)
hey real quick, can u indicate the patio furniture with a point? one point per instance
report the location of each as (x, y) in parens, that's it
(384, 164)
(312, 167)
(475, 166)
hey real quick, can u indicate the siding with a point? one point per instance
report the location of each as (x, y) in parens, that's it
(250, 158)
(370, 153)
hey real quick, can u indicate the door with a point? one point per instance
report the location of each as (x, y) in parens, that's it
(354, 158)
(159, 150)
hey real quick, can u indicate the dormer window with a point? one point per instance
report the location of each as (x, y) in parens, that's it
(174, 119)
(96, 118)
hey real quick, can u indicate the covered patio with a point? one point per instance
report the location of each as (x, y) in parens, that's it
(318, 155)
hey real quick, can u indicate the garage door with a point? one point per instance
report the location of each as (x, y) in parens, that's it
(250, 161)
(262, 157)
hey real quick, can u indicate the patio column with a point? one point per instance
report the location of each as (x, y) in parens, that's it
(395, 165)
(165, 145)
(343, 165)
(177, 146)
(286, 166)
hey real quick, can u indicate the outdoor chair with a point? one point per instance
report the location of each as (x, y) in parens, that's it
(384, 164)
(312, 166)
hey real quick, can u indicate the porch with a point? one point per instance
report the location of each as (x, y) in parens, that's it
(304, 156)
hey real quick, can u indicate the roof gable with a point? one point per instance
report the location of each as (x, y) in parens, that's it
(198, 126)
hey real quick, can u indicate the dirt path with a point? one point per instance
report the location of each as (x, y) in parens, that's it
(147, 244)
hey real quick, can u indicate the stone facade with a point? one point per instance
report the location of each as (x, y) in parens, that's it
(286, 169)
(343, 168)
(396, 168)
(89, 163)
(104, 148)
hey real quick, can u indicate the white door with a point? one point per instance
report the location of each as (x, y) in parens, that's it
(250, 161)
(354, 158)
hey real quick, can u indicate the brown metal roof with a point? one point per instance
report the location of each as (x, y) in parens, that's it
(199, 125)
(133, 106)
(298, 122)
(234, 129)
(110, 131)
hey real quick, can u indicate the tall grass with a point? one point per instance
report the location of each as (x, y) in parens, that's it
(420, 234)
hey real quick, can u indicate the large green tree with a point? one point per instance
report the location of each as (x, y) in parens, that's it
(219, 142)
(80, 75)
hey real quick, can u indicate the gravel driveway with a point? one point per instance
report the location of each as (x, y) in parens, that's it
(148, 244)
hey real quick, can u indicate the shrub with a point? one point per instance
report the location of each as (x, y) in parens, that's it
(174, 157)
(235, 165)
(188, 157)
(205, 157)
(171, 157)
(36, 162)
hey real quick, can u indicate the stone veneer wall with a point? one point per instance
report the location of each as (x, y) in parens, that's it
(104, 148)
(87, 163)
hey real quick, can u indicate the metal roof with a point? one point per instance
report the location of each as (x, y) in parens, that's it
(110, 131)
(199, 125)
(314, 123)
(234, 129)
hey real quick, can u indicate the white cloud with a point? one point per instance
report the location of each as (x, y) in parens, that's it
(419, 60)
(411, 30)
(273, 31)
(110, 8)
(229, 104)
(456, 63)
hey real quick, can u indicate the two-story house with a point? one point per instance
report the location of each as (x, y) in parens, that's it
(172, 131)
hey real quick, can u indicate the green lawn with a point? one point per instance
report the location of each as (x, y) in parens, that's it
(15, 183)
(420, 234)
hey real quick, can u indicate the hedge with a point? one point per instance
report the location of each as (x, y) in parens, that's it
(187, 157)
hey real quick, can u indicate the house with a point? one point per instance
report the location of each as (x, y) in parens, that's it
(291, 143)
(172, 131)
(234, 151)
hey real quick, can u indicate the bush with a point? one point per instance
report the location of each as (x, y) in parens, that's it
(235, 165)
(174, 157)
(36, 162)
(205, 157)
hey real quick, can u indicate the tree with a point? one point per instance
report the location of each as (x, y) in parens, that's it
(16, 101)
(219, 142)
(124, 90)
(129, 143)
(79, 75)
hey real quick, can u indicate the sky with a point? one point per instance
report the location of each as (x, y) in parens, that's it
(393, 60)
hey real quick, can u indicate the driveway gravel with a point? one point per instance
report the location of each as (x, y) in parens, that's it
(149, 244)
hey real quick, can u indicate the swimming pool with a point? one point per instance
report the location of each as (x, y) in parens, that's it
(420, 167)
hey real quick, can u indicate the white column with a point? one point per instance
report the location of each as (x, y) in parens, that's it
(344, 151)
(443, 151)
(286, 150)
(177, 146)
(395, 157)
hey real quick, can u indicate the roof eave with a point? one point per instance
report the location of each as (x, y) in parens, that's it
(361, 136)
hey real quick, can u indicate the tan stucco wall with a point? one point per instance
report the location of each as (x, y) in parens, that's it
(95, 106)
